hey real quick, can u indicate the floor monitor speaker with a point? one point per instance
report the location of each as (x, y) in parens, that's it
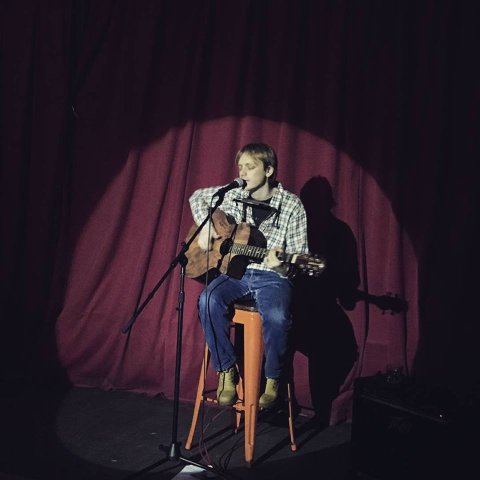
(401, 430)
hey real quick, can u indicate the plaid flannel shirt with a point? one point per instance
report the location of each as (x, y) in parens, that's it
(285, 227)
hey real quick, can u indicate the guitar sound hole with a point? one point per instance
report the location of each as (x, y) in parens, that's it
(225, 247)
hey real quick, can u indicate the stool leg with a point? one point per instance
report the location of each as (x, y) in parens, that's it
(198, 399)
(253, 363)
(293, 445)
(238, 406)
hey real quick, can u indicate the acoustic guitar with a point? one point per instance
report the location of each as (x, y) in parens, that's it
(238, 246)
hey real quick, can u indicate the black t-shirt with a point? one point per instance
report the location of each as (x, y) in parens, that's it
(261, 211)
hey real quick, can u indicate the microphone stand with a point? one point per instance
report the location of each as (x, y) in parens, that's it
(173, 450)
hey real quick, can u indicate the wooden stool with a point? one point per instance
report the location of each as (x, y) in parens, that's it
(248, 388)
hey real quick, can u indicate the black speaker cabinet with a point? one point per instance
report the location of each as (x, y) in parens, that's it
(401, 430)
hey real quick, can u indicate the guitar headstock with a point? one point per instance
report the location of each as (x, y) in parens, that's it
(311, 265)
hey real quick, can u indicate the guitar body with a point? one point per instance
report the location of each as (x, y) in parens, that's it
(205, 266)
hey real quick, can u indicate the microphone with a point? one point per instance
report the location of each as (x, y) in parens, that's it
(238, 182)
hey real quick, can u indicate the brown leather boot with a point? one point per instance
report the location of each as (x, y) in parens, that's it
(226, 391)
(270, 395)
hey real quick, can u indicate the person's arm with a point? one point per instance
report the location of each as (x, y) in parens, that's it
(295, 242)
(200, 202)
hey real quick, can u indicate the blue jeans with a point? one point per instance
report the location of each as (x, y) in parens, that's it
(272, 295)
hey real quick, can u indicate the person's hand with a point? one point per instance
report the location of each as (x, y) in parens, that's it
(271, 260)
(205, 237)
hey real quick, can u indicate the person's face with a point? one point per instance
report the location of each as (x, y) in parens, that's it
(253, 172)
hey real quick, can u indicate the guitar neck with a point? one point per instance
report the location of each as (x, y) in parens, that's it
(258, 252)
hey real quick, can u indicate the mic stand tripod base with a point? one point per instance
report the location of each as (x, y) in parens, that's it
(173, 454)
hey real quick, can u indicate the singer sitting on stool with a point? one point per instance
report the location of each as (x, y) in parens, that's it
(259, 201)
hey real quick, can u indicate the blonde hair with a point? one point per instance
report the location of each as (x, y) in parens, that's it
(262, 152)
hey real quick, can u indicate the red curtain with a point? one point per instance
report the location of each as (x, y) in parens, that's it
(114, 112)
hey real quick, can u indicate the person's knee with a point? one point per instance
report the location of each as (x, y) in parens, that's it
(202, 300)
(209, 300)
(278, 319)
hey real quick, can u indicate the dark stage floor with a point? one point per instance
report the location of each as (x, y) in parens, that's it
(86, 434)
